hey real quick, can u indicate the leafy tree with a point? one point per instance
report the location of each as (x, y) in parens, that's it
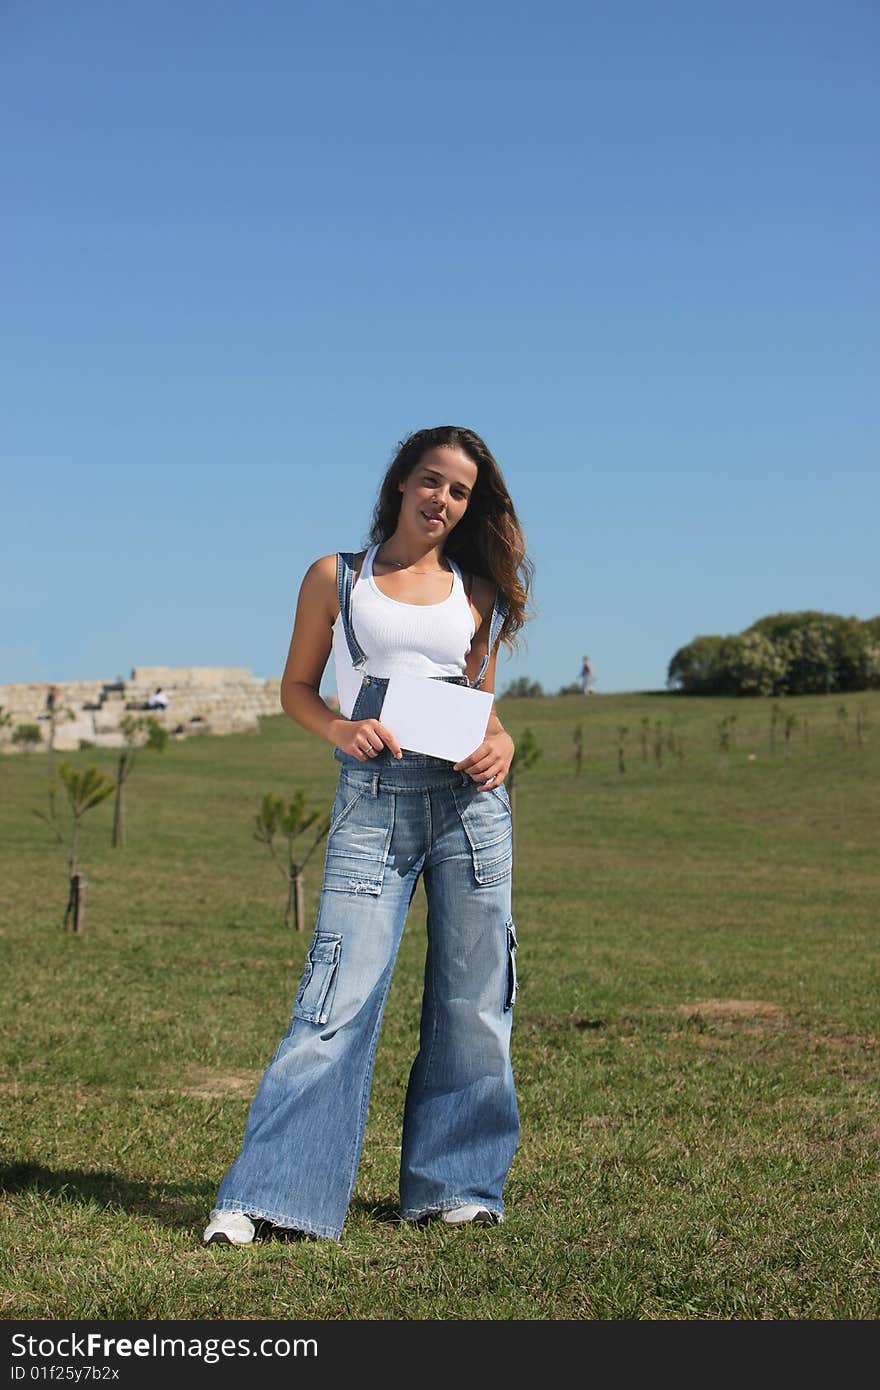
(823, 652)
(27, 735)
(522, 689)
(291, 821)
(750, 665)
(694, 669)
(782, 654)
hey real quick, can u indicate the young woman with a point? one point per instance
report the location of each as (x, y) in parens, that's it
(444, 580)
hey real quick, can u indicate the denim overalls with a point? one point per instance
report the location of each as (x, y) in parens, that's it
(392, 821)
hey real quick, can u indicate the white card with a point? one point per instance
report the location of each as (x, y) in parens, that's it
(436, 717)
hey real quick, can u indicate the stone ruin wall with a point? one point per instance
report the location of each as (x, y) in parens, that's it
(201, 700)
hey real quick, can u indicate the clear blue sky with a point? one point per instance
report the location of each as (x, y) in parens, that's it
(247, 246)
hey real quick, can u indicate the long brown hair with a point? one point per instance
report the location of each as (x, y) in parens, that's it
(488, 540)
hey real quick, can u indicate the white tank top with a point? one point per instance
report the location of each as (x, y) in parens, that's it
(420, 639)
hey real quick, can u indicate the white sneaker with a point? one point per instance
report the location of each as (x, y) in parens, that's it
(479, 1215)
(229, 1228)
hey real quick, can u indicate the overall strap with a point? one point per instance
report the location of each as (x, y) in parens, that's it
(499, 613)
(344, 580)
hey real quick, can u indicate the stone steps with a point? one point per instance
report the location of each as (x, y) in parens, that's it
(201, 699)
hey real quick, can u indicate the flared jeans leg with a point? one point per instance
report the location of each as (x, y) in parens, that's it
(461, 1123)
(304, 1131)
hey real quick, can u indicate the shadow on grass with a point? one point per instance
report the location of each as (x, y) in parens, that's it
(385, 1211)
(172, 1204)
(175, 1205)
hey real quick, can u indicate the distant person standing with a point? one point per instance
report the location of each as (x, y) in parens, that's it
(587, 677)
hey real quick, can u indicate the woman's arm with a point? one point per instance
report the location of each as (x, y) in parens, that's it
(316, 611)
(309, 650)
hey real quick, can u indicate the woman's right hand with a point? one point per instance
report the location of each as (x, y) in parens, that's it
(364, 738)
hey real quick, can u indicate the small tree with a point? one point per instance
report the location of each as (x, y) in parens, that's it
(137, 733)
(274, 818)
(526, 753)
(27, 736)
(85, 790)
(622, 734)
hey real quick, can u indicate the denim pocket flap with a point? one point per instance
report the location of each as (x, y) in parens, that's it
(315, 993)
(358, 845)
(486, 821)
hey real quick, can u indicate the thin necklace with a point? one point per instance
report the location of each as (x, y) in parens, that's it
(402, 565)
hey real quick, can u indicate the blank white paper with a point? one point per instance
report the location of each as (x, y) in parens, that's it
(436, 717)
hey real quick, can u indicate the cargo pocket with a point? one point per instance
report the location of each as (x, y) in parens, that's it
(486, 820)
(347, 797)
(358, 845)
(315, 994)
(510, 996)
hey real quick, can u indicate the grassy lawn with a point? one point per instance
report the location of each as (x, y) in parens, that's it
(695, 1039)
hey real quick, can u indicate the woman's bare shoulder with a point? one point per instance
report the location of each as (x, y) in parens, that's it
(318, 588)
(322, 567)
(319, 581)
(323, 570)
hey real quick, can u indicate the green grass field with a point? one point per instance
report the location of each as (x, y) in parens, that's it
(695, 1039)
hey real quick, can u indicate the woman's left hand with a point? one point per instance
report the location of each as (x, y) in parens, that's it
(489, 764)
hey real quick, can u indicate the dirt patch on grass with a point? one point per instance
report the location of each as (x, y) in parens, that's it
(734, 1008)
(215, 1085)
(868, 1041)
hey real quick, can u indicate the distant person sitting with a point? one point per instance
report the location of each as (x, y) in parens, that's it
(158, 699)
(587, 677)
